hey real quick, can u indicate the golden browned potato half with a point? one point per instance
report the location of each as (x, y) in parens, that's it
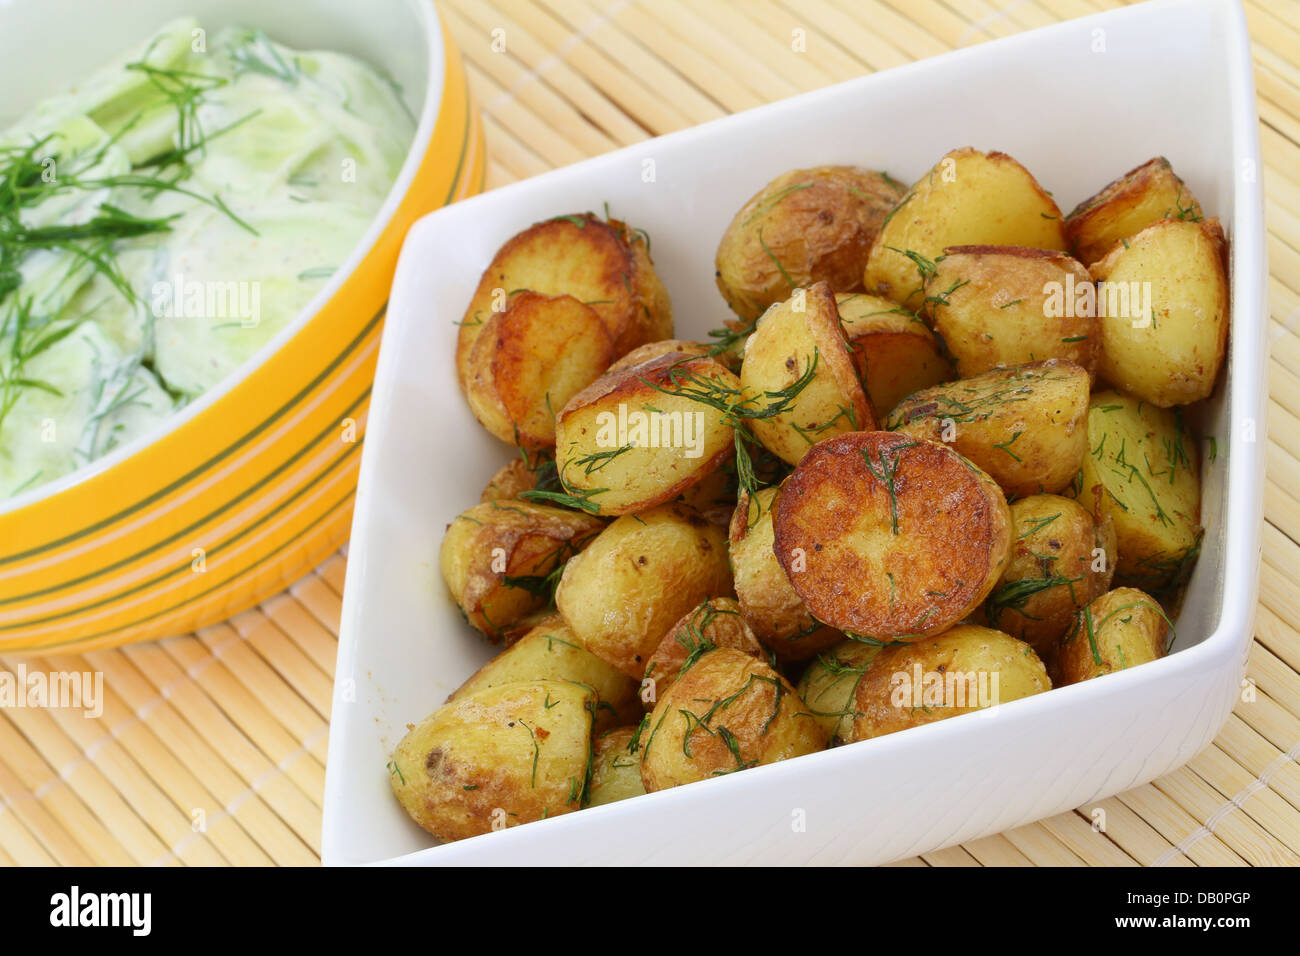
(1025, 426)
(1122, 628)
(496, 758)
(829, 686)
(806, 226)
(799, 374)
(653, 350)
(605, 265)
(965, 669)
(1060, 560)
(728, 712)
(1143, 471)
(968, 198)
(496, 555)
(714, 623)
(1007, 305)
(551, 651)
(1127, 206)
(1166, 344)
(894, 351)
(640, 575)
(616, 767)
(639, 436)
(768, 601)
(886, 536)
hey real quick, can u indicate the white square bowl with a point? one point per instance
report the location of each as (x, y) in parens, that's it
(1077, 103)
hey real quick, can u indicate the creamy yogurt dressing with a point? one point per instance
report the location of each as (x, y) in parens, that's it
(164, 220)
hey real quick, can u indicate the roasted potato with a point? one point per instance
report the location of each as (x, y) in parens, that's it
(806, 226)
(728, 712)
(714, 623)
(714, 496)
(964, 669)
(653, 350)
(1007, 305)
(640, 575)
(968, 198)
(894, 351)
(800, 383)
(886, 536)
(1119, 629)
(1127, 206)
(499, 757)
(616, 767)
(527, 471)
(1143, 471)
(768, 601)
(1061, 558)
(1167, 347)
(496, 555)
(829, 685)
(551, 651)
(1025, 425)
(640, 436)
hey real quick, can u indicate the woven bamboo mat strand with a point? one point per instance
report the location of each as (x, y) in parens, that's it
(211, 746)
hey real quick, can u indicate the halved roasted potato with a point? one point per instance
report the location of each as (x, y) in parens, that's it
(1127, 206)
(728, 712)
(1119, 629)
(894, 351)
(653, 350)
(1143, 471)
(496, 758)
(829, 685)
(1008, 305)
(509, 481)
(890, 537)
(714, 623)
(1167, 346)
(800, 383)
(643, 434)
(496, 557)
(968, 198)
(615, 766)
(1025, 426)
(806, 226)
(637, 578)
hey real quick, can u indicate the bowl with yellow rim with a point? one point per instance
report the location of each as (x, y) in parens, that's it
(251, 484)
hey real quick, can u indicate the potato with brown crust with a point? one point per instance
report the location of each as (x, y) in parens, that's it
(605, 265)
(965, 669)
(728, 712)
(509, 481)
(615, 767)
(891, 537)
(894, 351)
(1120, 629)
(1127, 206)
(499, 757)
(768, 601)
(993, 306)
(829, 686)
(800, 383)
(637, 437)
(714, 623)
(806, 226)
(640, 575)
(1025, 426)
(968, 198)
(653, 350)
(494, 556)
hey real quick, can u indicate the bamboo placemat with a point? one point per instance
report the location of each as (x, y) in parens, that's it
(211, 746)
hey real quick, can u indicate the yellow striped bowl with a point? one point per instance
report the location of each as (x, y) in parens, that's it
(253, 484)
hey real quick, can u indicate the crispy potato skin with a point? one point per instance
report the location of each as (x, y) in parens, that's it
(1054, 570)
(806, 226)
(616, 767)
(1143, 472)
(1128, 205)
(829, 686)
(522, 749)
(768, 601)
(990, 305)
(893, 350)
(1171, 356)
(968, 198)
(714, 623)
(624, 478)
(507, 539)
(1024, 425)
(509, 481)
(888, 536)
(653, 350)
(803, 333)
(726, 699)
(949, 674)
(551, 651)
(1120, 629)
(638, 577)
